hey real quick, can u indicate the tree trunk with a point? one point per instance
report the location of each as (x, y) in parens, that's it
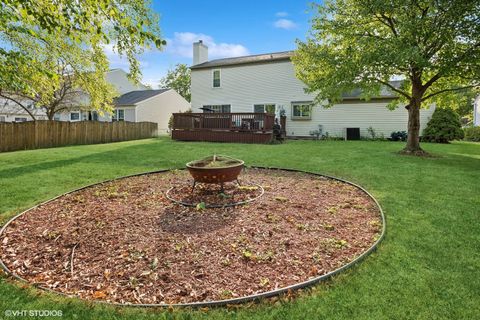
(413, 139)
(50, 114)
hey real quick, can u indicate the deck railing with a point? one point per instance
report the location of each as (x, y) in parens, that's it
(245, 122)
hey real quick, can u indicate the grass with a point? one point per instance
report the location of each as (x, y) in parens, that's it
(428, 266)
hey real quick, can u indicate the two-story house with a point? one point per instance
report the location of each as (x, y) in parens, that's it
(267, 83)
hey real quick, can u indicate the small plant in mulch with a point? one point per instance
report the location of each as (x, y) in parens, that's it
(281, 199)
(154, 264)
(272, 218)
(266, 256)
(333, 210)
(264, 282)
(226, 294)
(201, 206)
(248, 255)
(328, 227)
(226, 262)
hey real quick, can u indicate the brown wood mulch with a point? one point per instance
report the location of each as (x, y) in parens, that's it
(125, 242)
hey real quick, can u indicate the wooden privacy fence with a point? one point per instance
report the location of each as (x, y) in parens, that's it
(46, 134)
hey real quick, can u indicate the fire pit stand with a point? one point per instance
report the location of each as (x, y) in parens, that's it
(215, 170)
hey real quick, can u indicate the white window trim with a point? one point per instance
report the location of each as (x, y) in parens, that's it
(264, 106)
(301, 103)
(115, 114)
(79, 116)
(223, 104)
(220, 78)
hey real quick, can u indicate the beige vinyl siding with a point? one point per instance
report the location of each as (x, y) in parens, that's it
(246, 85)
(119, 80)
(358, 115)
(160, 107)
(129, 114)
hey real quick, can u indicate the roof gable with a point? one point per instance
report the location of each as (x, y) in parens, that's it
(134, 97)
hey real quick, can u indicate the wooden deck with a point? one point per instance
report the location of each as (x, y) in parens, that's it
(223, 127)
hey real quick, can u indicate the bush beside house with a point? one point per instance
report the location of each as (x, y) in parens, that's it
(444, 126)
(472, 134)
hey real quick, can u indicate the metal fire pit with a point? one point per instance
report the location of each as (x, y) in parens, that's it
(215, 169)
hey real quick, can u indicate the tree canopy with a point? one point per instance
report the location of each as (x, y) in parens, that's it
(76, 76)
(178, 79)
(40, 37)
(433, 45)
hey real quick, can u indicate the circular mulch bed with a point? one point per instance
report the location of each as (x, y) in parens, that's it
(124, 241)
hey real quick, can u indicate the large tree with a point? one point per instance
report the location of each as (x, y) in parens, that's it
(82, 27)
(434, 45)
(178, 79)
(77, 80)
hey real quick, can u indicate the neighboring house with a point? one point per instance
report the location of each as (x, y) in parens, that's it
(10, 112)
(267, 83)
(119, 80)
(150, 105)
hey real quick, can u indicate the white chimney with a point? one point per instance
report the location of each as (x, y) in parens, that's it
(200, 52)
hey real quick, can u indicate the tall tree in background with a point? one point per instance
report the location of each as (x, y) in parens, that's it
(78, 77)
(178, 79)
(433, 44)
(66, 30)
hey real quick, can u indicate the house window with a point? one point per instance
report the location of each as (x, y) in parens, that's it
(93, 116)
(56, 117)
(118, 115)
(2, 118)
(20, 119)
(219, 108)
(301, 110)
(74, 116)
(264, 108)
(216, 78)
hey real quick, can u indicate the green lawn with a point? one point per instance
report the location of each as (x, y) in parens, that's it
(428, 266)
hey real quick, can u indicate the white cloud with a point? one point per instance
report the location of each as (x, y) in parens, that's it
(181, 45)
(285, 24)
(114, 58)
(152, 82)
(281, 14)
(117, 61)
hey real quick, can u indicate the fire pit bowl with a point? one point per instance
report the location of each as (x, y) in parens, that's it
(215, 169)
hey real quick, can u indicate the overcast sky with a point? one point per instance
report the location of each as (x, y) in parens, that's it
(229, 28)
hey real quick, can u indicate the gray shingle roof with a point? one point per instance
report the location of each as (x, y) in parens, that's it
(259, 58)
(385, 92)
(133, 97)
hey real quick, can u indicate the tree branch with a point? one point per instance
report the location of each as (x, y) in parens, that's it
(431, 81)
(387, 21)
(18, 103)
(386, 83)
(447, 90)
(455, 62)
